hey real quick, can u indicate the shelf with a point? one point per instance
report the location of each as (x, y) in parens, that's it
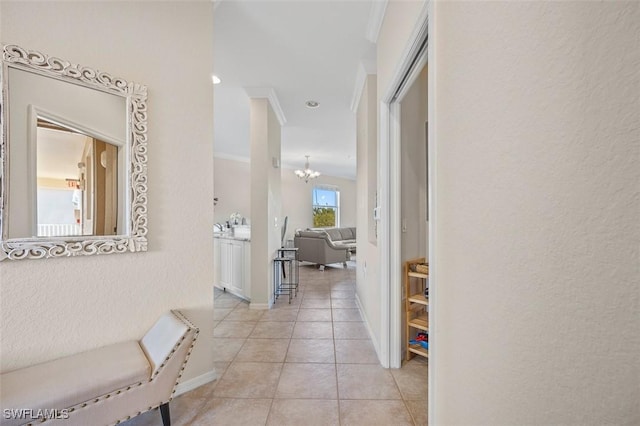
(419, 298)
(418, 275)
(416, 305)
(421, 322)
(417, 349)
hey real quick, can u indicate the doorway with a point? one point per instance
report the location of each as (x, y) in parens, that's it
(414, 220)
(413, 64)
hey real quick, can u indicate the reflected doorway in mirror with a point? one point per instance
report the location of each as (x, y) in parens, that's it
(88, 207)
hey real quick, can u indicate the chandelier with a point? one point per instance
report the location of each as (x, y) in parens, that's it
(307, 173)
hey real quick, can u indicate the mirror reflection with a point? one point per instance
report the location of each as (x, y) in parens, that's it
(77, 183)
(67, 158)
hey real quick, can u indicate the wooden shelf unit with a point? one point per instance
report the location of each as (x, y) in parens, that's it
(416, 304)
(417, 349)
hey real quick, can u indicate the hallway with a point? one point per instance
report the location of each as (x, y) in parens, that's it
(310, 362)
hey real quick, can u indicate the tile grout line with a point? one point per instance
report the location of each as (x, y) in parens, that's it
(335, 360)
(284, 361)
(404, 402)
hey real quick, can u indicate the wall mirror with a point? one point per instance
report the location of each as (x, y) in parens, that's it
(73, 166)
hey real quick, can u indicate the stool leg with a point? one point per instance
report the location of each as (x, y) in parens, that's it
(166, 416)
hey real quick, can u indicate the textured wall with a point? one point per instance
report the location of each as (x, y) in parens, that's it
(51, 308)
(537, 128)
(232, 187)
(266, 200)
(399, 21)
(367, 273)
(274, 212)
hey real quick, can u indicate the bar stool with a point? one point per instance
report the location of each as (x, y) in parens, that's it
(286, 273)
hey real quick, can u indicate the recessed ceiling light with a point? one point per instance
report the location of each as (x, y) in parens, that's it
(312, 104)
(216, 79)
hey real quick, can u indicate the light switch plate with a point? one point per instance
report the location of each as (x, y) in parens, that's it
(376, 213)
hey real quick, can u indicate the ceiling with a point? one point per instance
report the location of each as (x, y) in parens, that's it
(304, 50)
(59, 153)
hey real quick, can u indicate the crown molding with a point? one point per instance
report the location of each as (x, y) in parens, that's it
(290, 167)
(376, 16)
(268, 93)
(224, 156)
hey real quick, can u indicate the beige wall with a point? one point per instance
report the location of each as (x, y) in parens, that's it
(399, 21)
(367, 273)
(232, 188)
(265, 200)
(274, 211)
(51, 308)
(538, 206)
(233, 185)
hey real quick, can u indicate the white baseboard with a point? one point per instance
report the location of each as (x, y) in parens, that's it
(254, 305)
(376, 346)
(235, 293)
(195, 382)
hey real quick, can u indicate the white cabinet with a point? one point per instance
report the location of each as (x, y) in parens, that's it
(216, 262)
(232, 265)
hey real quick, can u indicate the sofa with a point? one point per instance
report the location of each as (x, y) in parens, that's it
(103, 386)
(325, 246)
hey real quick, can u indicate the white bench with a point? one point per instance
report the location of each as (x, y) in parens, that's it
(103, 386)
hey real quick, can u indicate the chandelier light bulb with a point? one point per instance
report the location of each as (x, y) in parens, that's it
(307, 173)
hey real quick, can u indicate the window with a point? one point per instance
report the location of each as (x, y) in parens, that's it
(326, 207)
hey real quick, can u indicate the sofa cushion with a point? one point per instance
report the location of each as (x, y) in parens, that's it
(347, 233)
(350, 244)
(312, 234)
(65, 382)
(334, 234)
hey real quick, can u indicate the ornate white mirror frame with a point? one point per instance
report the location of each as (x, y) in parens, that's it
(133, 236)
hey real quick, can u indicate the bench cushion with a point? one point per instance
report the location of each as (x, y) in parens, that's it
(160, 340)
(65, 382)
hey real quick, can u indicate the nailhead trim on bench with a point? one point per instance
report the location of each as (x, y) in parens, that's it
(190, 327)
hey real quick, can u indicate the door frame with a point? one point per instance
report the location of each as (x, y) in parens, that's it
(416, 54)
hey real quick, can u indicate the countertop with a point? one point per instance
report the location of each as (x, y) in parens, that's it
(229, 236)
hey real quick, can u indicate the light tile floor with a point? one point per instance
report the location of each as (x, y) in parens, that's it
(310, 362)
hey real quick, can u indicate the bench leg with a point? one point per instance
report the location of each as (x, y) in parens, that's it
(166, 416)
